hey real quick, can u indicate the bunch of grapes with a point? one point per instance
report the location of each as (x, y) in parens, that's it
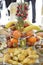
(22, 11)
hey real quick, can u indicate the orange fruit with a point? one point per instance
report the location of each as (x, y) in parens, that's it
(13, 40)
(17, 34)
(32, 39)
(29, 33)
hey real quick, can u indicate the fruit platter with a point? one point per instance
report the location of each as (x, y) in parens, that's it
(21, 43)
(19, 46)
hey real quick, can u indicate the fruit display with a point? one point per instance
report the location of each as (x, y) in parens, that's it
(18, 39)
(17, 35)
(18, 42)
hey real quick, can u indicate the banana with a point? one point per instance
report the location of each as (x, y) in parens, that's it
(31, 27)
(9, 24)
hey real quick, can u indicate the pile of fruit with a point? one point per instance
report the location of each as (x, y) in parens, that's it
(26, 37)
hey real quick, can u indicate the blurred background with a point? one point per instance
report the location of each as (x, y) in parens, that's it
(5, 18)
